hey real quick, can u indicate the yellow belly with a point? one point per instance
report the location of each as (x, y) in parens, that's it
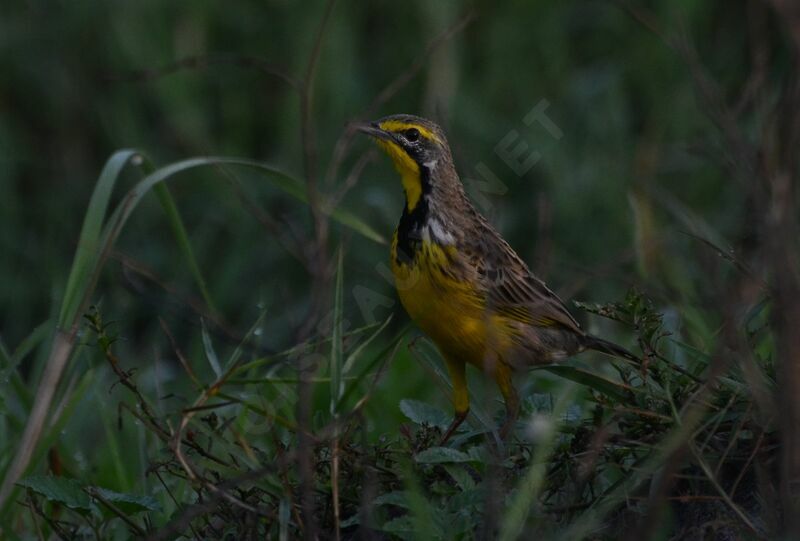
(451, 312)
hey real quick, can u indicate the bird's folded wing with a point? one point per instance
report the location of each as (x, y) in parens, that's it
(525, 298)
(511, 289)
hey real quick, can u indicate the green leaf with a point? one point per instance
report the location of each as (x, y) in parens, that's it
(403, 527)
(420, 412)
(692, 351)
(618, 391)
(355, 520)
(127, 503)
(441, 455)
(397, 497)
(426, 516)
(461, 476)
(469, 500)
(64, 490)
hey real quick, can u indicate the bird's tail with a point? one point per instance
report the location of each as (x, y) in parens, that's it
(609, 348)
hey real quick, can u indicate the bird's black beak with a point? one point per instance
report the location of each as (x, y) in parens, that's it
(372, 129)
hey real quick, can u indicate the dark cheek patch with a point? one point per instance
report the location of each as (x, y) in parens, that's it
(415, 151)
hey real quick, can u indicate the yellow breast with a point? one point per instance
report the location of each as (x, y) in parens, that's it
(451, 312)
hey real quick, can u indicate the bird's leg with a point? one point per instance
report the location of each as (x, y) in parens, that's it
(458, 377)
(502, 376)
(457, 420)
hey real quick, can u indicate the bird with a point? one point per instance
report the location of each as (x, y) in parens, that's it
(461, 282)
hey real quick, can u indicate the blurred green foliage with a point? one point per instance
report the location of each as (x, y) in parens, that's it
(621, 98)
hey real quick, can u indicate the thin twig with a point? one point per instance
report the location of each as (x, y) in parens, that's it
(179, 523)
(115, 510)
(335, 487)
(178, 353)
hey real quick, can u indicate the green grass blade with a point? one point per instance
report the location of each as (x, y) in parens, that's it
(111, 444)
(297, 189)
(94, 246)
(420, 509)
(31, 342)
(10, 363)
(50, 439)
(208, 346)
(355, 223)
(280, 179)
(88, 242)
(387, 350)
(353, 357)
(182, 238)
(237, 353)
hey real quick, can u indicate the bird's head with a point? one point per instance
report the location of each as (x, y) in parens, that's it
(417, 147)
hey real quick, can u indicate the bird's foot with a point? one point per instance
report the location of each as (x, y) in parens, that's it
(457, 420)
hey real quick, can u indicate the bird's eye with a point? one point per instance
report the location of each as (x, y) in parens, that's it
(412, 134)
